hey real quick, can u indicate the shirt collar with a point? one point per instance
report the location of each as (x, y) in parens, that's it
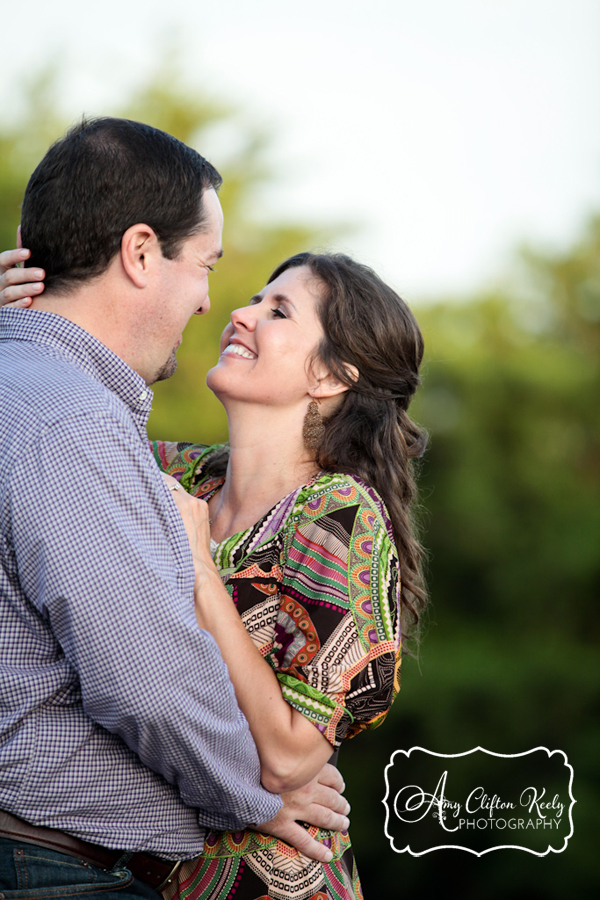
(82, 349)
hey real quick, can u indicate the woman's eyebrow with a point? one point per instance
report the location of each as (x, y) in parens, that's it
(276, 298)
(283, 298)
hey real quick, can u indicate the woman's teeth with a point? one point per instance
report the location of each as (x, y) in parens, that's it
(238, 350)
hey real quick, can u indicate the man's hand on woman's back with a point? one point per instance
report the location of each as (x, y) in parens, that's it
(320, 803)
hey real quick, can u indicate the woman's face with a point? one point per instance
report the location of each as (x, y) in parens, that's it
(266, 348)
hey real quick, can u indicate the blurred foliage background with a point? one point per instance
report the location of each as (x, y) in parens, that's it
(510, 493)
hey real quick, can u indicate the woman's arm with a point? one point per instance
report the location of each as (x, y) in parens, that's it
(290, 748)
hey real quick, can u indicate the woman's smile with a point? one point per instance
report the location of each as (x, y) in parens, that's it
(237, 349)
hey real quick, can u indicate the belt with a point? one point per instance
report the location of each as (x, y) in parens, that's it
(152, 871)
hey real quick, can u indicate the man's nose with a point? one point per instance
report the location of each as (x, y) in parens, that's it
(204, 308)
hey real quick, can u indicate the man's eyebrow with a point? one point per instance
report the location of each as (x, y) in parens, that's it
(216, 255)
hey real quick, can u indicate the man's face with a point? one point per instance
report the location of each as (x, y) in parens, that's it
(183, 289)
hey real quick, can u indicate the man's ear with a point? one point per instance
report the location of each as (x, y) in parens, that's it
(329, 386)
(140, 249)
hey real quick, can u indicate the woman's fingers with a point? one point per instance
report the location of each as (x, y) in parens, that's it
(170, 482)
(10, 258)
(194, 513)
(17, 285)
(23, 303)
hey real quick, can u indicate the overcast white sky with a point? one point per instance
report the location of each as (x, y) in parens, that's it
(448, 129)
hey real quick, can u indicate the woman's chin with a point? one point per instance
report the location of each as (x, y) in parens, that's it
(214, 379)
(219, 384)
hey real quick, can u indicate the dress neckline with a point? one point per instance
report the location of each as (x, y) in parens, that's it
(241, 535)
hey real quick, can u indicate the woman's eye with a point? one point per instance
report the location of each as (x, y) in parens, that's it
(279, 314)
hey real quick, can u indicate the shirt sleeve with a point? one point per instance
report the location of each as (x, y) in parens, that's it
(337, 637)
(102, 554)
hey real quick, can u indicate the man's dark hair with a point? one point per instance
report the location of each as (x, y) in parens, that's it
(102, 177)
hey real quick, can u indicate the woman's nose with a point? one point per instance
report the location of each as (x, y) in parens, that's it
(244, 317)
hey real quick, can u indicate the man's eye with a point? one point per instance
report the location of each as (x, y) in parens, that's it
(210, 268)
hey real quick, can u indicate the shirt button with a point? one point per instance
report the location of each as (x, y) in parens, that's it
(143, 395)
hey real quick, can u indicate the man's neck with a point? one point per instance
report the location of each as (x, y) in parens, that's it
(96, 309)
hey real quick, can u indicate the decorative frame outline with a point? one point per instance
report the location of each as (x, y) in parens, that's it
(467, 849)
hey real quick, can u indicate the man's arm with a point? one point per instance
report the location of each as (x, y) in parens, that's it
(102, 553)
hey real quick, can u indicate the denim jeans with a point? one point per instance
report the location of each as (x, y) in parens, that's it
(28, 872)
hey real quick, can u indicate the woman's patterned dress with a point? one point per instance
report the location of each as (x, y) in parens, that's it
(316, 584)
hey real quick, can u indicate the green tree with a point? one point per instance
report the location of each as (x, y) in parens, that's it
(511, 484)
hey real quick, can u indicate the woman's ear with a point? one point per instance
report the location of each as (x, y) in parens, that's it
(329, 386)
(139, 247)
(352, 372)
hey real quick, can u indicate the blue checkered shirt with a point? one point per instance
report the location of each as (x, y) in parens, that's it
(118, 721)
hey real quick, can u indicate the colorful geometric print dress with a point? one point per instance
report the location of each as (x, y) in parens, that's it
(316, 584)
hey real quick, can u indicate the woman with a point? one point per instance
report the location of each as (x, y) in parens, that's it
(306, 513)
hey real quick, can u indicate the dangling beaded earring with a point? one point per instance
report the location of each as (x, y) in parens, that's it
(314, 427)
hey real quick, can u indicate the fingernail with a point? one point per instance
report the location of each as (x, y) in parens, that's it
(347, 825)
(24, 254)
(328, 856)
(36, 287)
(38, 273)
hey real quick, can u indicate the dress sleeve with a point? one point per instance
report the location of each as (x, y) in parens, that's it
(337, 636)
(181, 460)
(165, 452)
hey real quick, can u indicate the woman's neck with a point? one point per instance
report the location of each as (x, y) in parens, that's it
(267, 462)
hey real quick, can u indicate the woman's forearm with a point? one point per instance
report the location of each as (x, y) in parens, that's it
(290, 748)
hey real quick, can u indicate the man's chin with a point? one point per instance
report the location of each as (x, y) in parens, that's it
(167, 369)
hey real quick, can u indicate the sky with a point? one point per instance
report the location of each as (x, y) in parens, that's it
(446, 132)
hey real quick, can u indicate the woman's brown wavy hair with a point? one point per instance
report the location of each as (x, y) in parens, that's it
(368, 326)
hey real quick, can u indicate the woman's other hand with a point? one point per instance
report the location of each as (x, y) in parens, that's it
(19, 286)
(194, 513)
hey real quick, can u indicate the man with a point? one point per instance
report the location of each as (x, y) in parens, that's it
(119, 730)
